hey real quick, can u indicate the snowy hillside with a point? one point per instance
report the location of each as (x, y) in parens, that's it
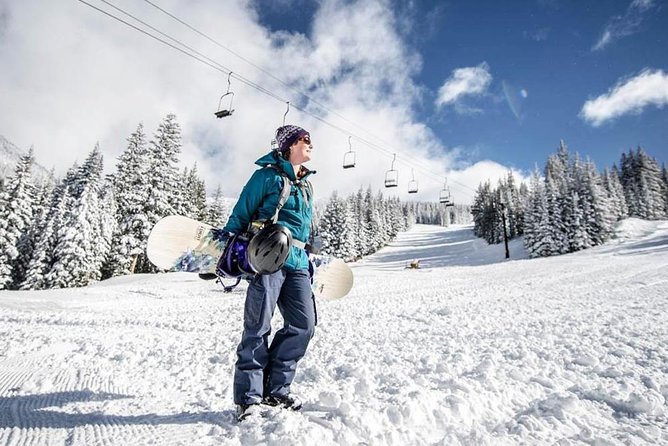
(469, 349)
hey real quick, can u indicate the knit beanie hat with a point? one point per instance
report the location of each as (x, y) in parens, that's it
(287, 135)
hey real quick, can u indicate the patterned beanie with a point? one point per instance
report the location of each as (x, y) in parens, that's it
(287, 135)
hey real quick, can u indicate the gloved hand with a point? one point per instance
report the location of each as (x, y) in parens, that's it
(221, 237)
(255, 227)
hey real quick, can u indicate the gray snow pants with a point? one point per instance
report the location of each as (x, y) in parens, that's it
(261, 369)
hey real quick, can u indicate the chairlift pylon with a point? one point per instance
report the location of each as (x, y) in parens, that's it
(349, 156)
(392, 176)
(412, 184)
(224, 112)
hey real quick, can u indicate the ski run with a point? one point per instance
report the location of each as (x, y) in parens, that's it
(468, 349)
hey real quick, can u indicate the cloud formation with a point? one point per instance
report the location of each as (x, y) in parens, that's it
(468, 81)
(98, 79)
(650, 87)
(625, 25)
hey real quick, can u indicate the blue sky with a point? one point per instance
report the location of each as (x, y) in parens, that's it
(544, 65)
(463, 91)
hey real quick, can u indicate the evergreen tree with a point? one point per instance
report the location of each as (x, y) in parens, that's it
(80, 251)
(217, 212)
(132, 195)
(600, 214)
(44, 257)
(538, 234)
(372, 220)
(618, 206)
(643, 186)
(362, 239)
(27, 242)
(559, 207)
(16, 216)
(164, 195)
(195, 193)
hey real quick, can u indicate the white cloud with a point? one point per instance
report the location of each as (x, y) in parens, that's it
(468, 81)
(650, 87)
(72, 77)
(625, 25)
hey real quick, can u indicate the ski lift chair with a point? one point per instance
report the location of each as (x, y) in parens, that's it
(392, 176)
(444, 195)
(349, 156)
(224, 112)
(412, 184)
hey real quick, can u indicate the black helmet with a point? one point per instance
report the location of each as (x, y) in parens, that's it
(269, 249)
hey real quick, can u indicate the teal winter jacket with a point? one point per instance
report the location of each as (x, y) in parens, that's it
(259, 199)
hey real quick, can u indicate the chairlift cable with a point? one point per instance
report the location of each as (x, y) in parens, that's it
(218, 67)
(287, 85)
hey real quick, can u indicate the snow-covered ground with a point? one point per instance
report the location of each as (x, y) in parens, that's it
(469, 349)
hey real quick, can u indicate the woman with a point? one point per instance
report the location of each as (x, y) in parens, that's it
(263, 372)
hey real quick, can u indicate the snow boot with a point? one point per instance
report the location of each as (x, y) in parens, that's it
(286, 401)
(245, 410)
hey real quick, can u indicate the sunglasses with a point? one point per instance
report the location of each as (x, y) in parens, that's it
(306, 139)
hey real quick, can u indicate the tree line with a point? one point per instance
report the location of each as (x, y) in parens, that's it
(363, 222)
(87, 226)
(571, 206)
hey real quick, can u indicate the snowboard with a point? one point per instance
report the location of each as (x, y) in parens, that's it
(178, 243)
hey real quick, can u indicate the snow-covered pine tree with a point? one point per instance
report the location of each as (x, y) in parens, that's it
(331, 227)
(195, 194)
(372, 219)
(27, 243)
(537, 232)
(16, 216)
(43, 257)
(651, 186)
(510, 198)
(131, 193)
(108, 226)
(559, 202)
(163, 171)
(78, 254)
(217, 212)
(602, 217)
(579, 209)
(362, 227)
(643, 186)
(618, 206)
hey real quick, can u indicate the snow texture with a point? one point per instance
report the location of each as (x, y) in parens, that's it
(467, 349)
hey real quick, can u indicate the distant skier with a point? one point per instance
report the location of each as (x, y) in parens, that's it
(263, 372)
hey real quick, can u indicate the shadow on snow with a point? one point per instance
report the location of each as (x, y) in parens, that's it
(31, 411)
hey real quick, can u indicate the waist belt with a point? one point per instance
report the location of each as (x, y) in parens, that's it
(298, 244)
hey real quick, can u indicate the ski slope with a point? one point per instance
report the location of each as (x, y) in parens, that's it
(469, 349)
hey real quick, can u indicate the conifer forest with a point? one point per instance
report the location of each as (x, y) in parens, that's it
(570, 206)
(88, 226)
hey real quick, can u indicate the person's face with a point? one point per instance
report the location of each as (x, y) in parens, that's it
(300, 151)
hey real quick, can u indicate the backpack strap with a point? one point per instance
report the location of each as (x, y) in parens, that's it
(285, 192)
(306, 189)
